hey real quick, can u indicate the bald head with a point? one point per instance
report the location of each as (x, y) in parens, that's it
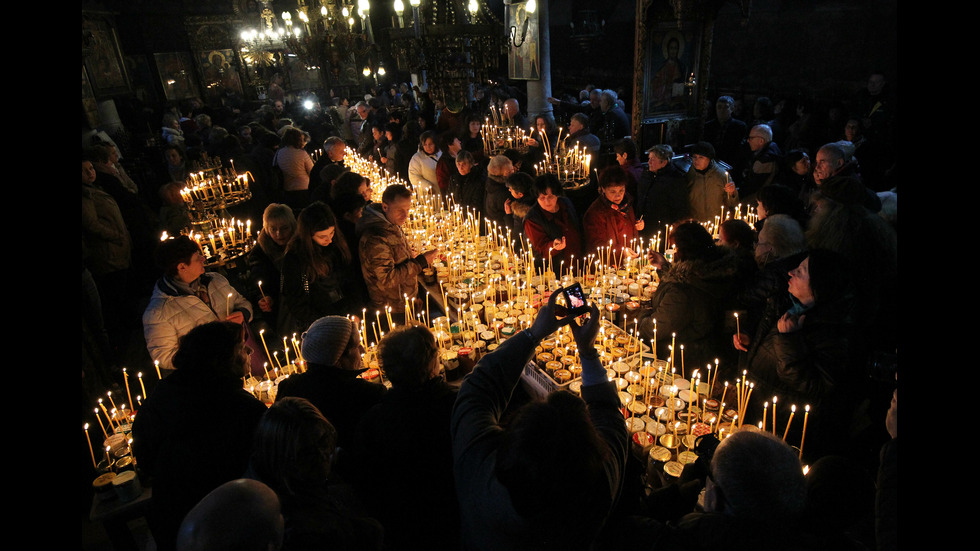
(239, 515)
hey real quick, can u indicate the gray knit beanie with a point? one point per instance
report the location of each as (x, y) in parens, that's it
(326, 340)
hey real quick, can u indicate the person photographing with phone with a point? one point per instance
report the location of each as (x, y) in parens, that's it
(549, 478)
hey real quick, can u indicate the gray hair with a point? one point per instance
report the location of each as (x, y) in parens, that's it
(835, 151)
(332, 142)
(497, 165)
(610, 95)
(663, 152)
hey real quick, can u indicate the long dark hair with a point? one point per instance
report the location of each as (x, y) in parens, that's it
(317, 260)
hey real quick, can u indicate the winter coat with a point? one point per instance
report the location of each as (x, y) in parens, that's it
(304, 299)
(339, 394)
(706, 193)
(662, 198)
(470, 190)
(192, 434)
(813, 365)
(412, 494)
(690, 301)
(390, 270)
(759, 169)
(604, 221)
(543, 228)
(105, 240)
(172, 313)
(493, 201)
(422, 171)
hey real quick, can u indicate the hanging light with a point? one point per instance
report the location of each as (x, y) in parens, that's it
(474, 7)
(530, 6)
(367, 71)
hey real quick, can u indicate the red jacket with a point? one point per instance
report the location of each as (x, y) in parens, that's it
(604, 221)
(563, 223)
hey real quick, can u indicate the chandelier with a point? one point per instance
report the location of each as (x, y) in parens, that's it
(337, 31)
(449, 46)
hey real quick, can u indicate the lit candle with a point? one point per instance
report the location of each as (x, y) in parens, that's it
(792, 412)
(806, 416)
(104, 433)
(266, 347)
(126, 382)
(140, 377)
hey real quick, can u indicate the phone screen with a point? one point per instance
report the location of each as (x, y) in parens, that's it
(575, 301)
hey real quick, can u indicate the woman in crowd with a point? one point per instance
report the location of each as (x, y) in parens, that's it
(693, 295)
(278, 226)
(801, 350)
(310, 283)
(472, 139)
(296, 165)
(293, 454)
(552, 226)
(543, 128)
(611, 216)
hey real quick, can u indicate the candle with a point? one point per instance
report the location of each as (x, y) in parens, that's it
(228, 306)
(792, 412)
(806, 416)
(126, 382)
(140, 377)
(260, 289)
(104, 433)
(765, 411)
(266, 347)
(156, 364)
(774, 399)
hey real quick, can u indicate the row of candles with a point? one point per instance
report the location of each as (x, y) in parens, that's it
(206, 187)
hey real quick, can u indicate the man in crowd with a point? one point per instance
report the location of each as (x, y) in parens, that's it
(725, 133)
(578, 134)
(389, 266)
(760, 164)
(662, 191)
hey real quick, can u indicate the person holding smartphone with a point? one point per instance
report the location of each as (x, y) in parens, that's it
(551, 476)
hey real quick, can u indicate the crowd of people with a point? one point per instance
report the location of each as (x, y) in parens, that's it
(356, 465)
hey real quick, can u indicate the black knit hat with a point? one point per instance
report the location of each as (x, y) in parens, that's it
(705, 149)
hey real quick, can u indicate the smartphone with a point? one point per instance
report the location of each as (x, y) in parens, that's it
(575, 304)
